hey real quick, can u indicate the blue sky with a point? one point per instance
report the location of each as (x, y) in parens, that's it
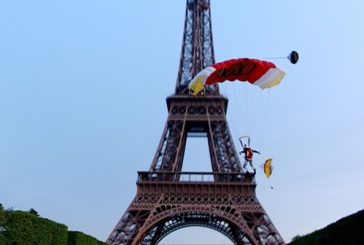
(82, 105)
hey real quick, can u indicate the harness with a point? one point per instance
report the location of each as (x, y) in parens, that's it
(248, 154)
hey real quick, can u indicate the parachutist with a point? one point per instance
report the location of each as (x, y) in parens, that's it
(248, 156)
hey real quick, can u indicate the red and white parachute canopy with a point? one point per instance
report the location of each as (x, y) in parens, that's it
(258, 72)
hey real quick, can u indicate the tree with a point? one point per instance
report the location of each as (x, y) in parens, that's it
(296, 237)
(33, 211)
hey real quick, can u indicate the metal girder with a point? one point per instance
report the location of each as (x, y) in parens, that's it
(196, 117)
(168, 201)
(197, 45)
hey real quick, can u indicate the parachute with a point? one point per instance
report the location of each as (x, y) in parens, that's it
(268, 168)
(293, 57)
(258, 72)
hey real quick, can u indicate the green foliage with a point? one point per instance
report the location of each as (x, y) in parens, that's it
(2, 228)
(296, 237)
(346, 231)
(27, 228)
(33, 211)
(79, 238)
(2, 215)
(24, 228)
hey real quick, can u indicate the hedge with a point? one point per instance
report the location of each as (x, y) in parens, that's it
(23, 228)
(27, 228)
(79, 238)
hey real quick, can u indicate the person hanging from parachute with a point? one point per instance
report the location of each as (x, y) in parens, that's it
(261, 73)
(248, 153)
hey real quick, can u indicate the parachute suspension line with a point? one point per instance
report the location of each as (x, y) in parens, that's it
(231, 112)
(252, 112)
(248, 113)
(246, 119)
(235, 111)
(242, 113)
(240, 109)
(293, 57)
(262, 74)
(264, 119)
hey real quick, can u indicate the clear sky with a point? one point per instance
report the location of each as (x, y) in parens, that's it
(82, 105)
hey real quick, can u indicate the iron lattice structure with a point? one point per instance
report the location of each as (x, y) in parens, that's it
(168, 199)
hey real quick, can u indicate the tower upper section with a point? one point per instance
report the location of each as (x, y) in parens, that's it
(197, 47)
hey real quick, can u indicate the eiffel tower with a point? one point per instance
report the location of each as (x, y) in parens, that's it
(168, 199)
